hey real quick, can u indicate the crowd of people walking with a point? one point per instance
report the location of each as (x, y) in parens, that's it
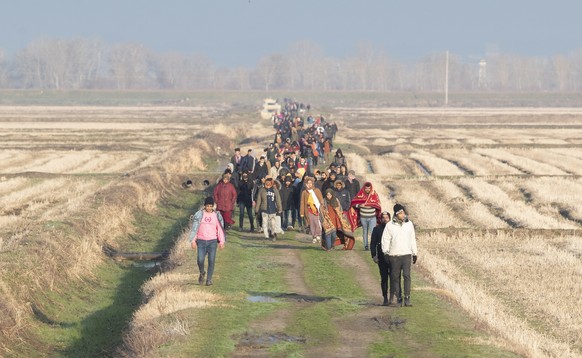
(301, 182)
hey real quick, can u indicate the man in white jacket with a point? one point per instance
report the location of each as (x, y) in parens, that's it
(399, 248)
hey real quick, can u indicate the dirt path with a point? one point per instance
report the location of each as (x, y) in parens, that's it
(262, 333)
(357, 331)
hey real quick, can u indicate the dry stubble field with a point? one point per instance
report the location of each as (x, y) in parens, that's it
(495, 195)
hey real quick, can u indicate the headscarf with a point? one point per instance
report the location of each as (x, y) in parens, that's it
(333, 201)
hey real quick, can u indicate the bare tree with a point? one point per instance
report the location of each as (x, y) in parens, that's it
(130, 65)
(270, 71)
(305, 59)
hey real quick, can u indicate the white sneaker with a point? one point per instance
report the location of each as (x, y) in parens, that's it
(318, 238)
(314, 241)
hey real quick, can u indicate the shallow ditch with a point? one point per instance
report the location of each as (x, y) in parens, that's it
(370, 167)
(462, 168)
(566, 215)
(422, 168)
(526, 172)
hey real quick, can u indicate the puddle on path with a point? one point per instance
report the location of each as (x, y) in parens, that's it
(277, 297)
(263, 299)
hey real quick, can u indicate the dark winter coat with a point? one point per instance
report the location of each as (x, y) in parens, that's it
(245, 192)
(287, 194)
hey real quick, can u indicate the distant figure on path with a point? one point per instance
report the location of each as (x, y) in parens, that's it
(206, 234)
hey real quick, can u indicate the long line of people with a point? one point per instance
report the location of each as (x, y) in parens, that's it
(296, 184)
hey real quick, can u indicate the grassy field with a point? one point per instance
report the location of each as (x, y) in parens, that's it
(493, 194)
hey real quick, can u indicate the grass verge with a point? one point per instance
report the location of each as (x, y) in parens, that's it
(88, 317)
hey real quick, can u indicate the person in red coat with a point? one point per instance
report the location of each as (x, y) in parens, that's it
(225, 197)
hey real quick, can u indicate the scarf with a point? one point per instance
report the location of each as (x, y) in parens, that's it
(363, 199)
(314, 199)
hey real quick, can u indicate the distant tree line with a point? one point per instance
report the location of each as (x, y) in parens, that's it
(70, 64)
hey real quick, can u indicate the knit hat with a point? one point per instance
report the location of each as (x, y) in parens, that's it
(398, 208)
(209, 201)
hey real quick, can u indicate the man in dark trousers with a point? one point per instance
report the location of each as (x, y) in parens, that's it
(245, 201)
(378, 255)
(399, 247)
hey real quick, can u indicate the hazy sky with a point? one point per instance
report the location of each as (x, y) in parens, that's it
(239, 32)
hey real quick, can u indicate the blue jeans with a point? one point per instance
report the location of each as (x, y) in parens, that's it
(206, 247)
(287, 218)
(368, 225)
(330, 238)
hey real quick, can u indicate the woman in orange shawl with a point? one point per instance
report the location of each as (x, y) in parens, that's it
(335, 227)
(365, 211)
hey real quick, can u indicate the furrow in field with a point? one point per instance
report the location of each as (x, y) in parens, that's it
(529, 166)
(515, 213)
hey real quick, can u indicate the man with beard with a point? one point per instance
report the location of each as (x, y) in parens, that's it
(352, 184)
(245, 200)
(287, 193)
(268, 206)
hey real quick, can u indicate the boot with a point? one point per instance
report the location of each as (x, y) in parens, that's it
(385, 303)
(407, 301)
(201, 278)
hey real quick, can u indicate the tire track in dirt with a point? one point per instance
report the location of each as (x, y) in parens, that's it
(261, 334)
(359, 330)
(356, 331)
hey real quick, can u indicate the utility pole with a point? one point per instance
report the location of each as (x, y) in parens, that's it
(447, 79)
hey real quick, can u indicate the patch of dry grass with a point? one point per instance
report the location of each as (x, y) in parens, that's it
(495, 284)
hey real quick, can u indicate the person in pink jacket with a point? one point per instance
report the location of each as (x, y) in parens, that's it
(206, 235)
